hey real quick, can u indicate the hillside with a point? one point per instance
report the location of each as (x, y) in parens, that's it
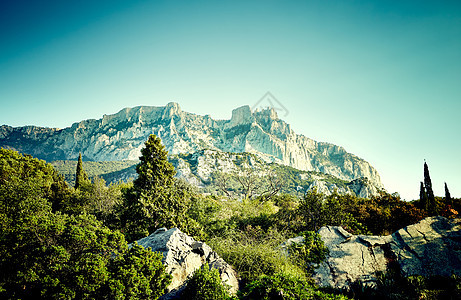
(206, 169)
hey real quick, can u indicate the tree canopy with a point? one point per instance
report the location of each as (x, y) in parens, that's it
(47, 254)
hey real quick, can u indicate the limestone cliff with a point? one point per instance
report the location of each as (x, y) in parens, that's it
(121, 136)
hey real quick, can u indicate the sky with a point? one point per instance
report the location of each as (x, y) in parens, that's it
(380, 78)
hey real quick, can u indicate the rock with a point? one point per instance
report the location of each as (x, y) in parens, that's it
(121, 136)
(363, 188)
(199, 168)
(182, 255)
(429, 248)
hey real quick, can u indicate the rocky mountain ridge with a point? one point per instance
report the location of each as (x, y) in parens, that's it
(121, 136)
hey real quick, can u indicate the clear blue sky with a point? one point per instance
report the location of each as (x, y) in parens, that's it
(380, 78)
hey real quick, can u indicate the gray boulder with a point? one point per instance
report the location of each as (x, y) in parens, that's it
(182, 255)
(428, 248)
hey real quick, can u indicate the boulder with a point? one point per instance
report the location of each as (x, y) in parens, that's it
(431, 247)
(182, 255)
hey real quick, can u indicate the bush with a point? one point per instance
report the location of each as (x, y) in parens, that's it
(255, 252)
(311, 251)
(205, 284)
(283, 287)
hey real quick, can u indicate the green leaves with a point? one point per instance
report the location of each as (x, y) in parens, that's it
(157, 199)
(206, 284)
(50, 255)
(138, 274)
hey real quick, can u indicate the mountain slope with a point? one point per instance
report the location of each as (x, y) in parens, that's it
(121, 136)
(206, 169)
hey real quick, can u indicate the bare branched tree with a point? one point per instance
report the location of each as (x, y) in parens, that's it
(222, 181)
(249, 182)
(273, 185)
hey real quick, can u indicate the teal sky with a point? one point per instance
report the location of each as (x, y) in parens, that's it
(380, 78)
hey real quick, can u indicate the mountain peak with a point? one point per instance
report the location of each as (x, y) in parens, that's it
(267, 113)
(171, 109)
(240, 116)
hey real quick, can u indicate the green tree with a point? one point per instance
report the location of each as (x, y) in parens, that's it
(423, 202)
(137, 274)
(311, 209)
(157, 199)
(48, 255)
(448, 199)
(81, 178)
(431, 202)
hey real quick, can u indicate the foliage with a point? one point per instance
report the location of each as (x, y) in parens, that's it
(205, 284)
(137, 274)
(98, 199)
(110, 171)
(80, 175)
(317, 210)
(254, 252)
(283, 287)
(311, 251)
(384, 214)
(76, 257)
(156, 199)
(46, 254)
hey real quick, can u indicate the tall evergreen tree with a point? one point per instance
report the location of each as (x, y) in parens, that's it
(423, 197)
(448, 199)
(155, 199)
(431, 203)
(80, 174)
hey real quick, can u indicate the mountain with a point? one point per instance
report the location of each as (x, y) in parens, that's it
(121, 136)
(206, 169)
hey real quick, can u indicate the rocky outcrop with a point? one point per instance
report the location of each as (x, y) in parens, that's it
(201, 168)
(182, 255)
(121, 136)
(429, 248)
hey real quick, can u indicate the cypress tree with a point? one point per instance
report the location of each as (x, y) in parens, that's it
(448, 199)
(431, 203)
(80, 174)
(423, 197)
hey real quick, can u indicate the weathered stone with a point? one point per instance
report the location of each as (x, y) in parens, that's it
(182, 255)
(429, 248)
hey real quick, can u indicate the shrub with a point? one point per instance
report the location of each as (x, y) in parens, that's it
(205, 284)
(311, 251)
(283, 287)
(255, 252)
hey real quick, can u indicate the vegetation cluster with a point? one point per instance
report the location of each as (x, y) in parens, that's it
(67, 242)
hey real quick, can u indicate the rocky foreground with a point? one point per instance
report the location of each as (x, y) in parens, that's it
(182, 256)
(431, 247)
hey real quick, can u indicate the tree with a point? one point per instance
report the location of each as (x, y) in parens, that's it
(423, 197)
(156, 199)
(431, 203)
(80, 175)
(448, 199)
(311, 209)
(50, 255)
